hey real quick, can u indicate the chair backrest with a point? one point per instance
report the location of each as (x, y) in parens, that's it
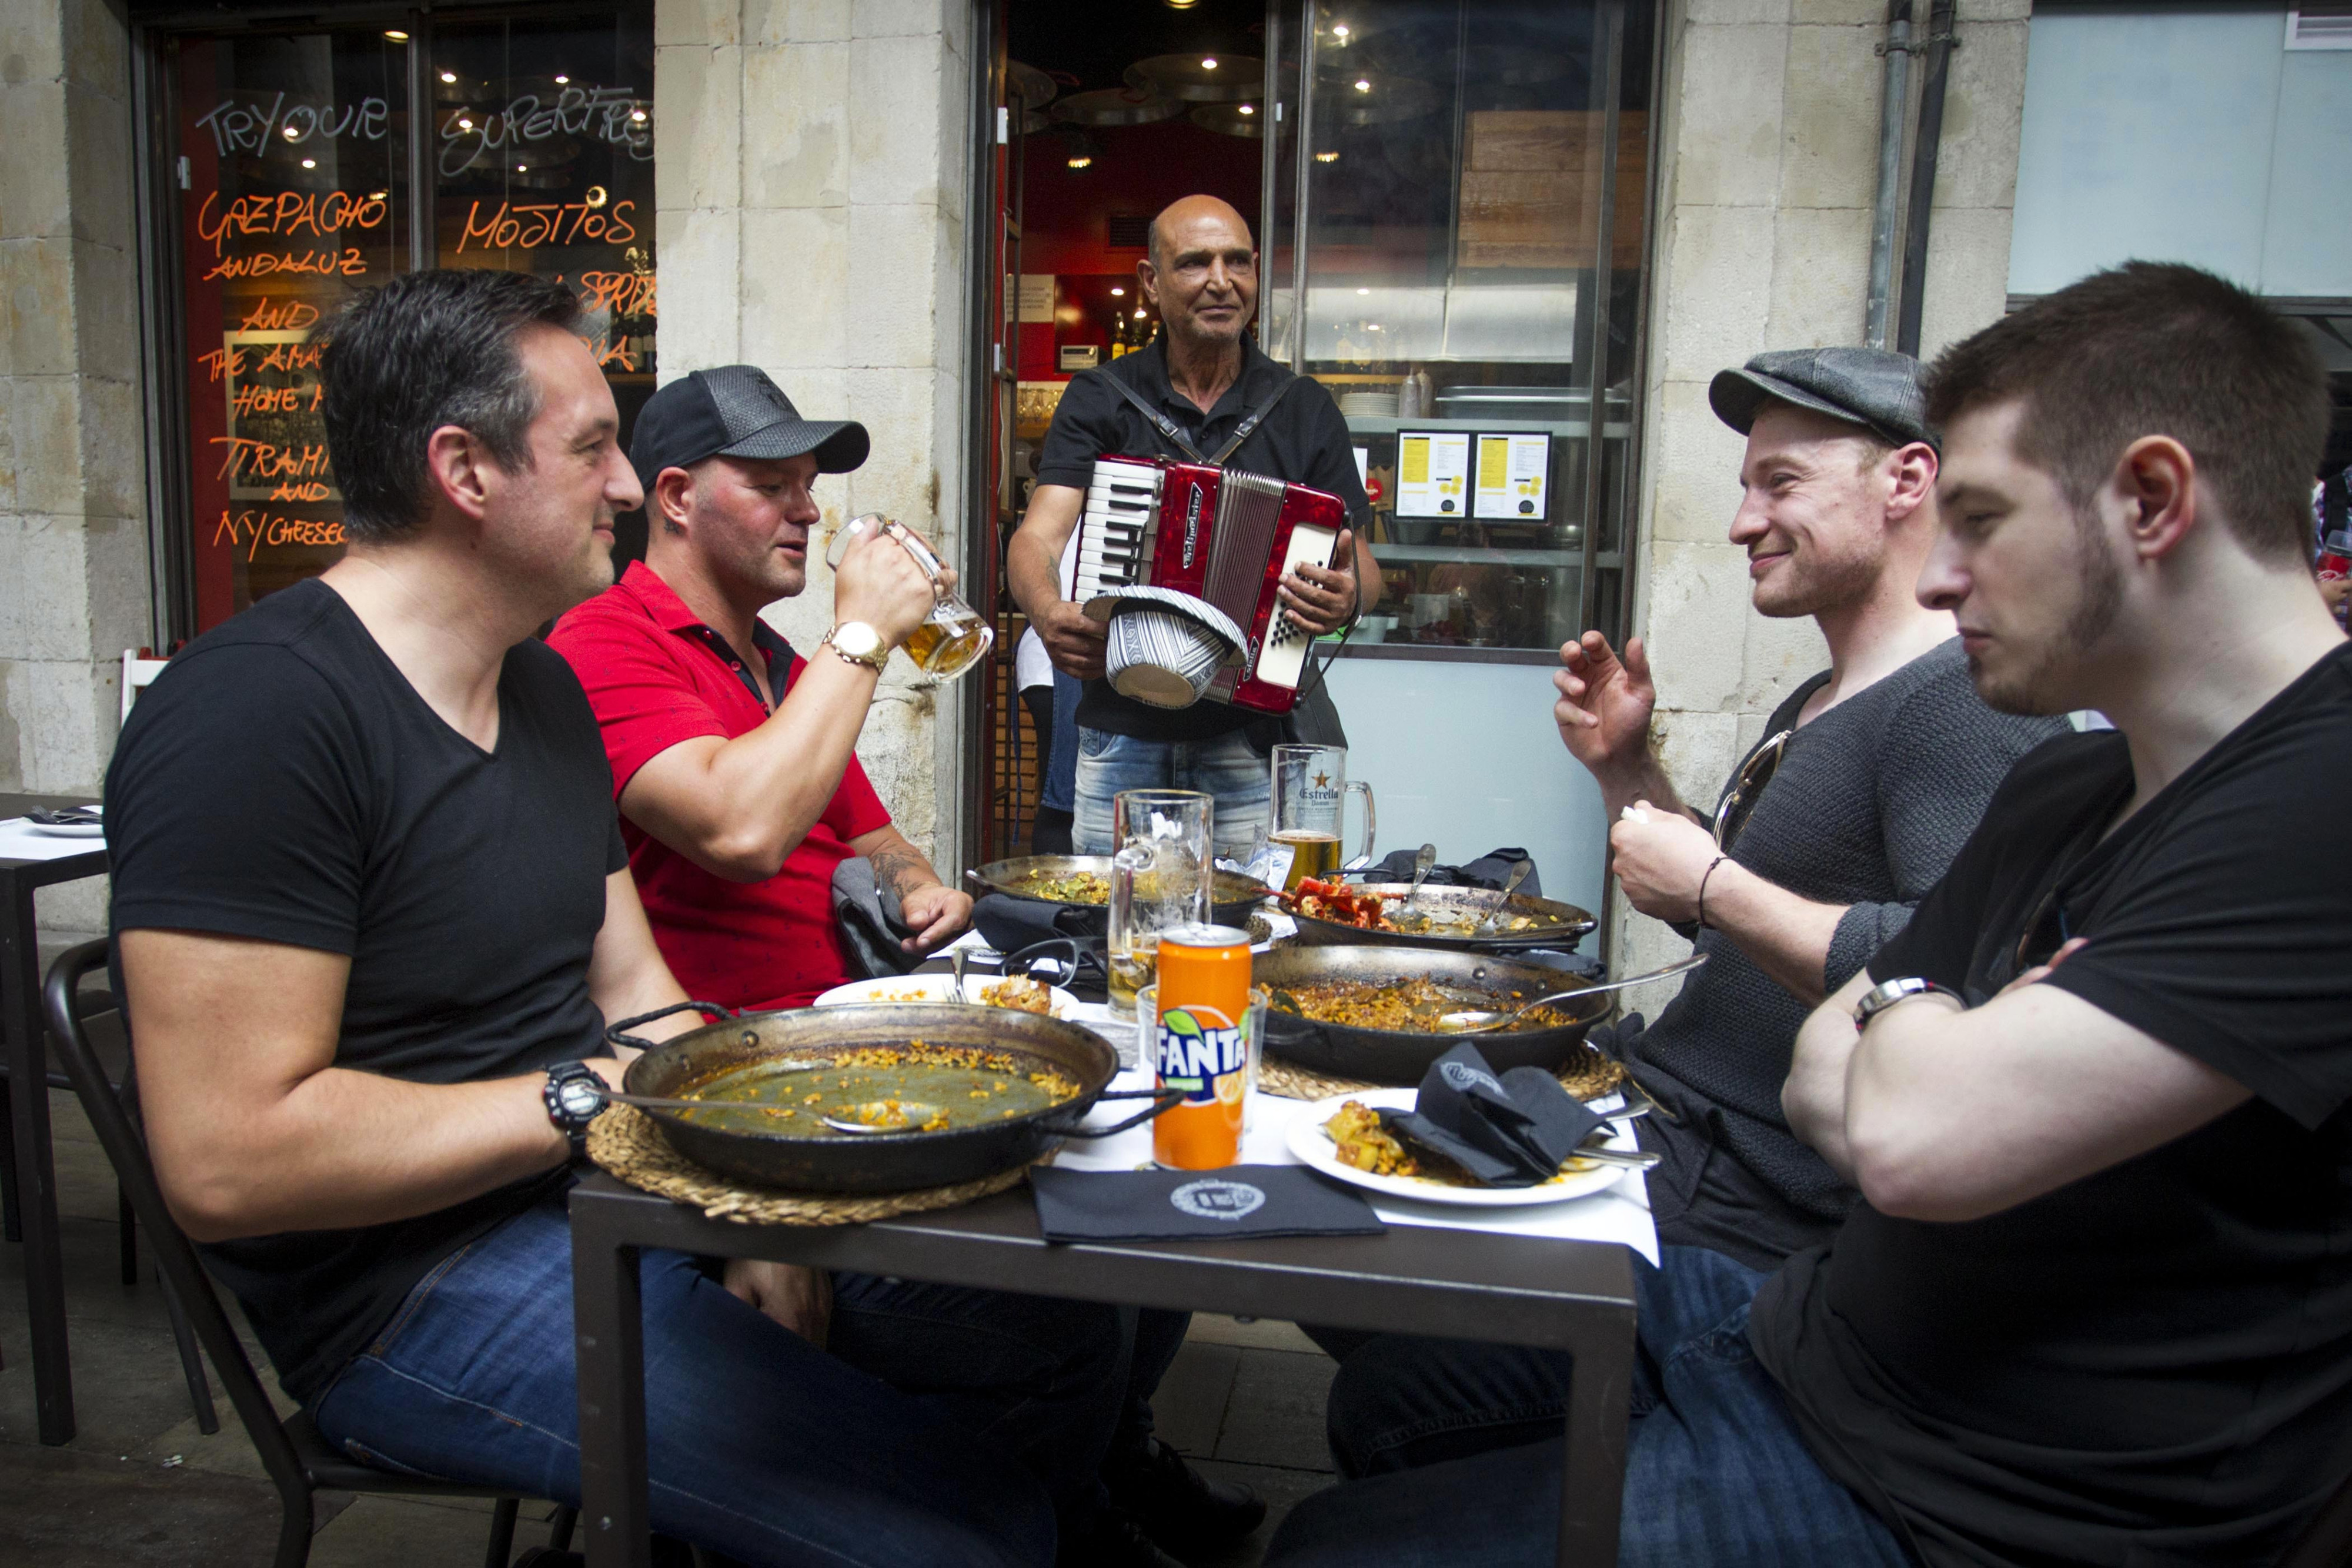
(119, 1132)
(139, 672)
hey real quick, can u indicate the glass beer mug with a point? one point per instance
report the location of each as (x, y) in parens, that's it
(1310, 791)
(955, 637)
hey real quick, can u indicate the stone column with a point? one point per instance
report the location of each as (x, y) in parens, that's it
(1761, 240)
(810, 182)
(75, 592)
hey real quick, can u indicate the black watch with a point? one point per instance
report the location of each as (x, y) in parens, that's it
(574, 1096)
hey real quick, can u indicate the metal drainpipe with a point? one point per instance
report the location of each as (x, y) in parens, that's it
(1894, 107)
(1940, 44)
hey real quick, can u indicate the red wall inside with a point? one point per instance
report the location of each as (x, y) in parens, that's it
(1066, 217)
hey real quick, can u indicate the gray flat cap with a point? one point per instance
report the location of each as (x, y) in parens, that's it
(1875, 388)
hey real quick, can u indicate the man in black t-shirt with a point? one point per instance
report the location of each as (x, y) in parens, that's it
(371, 914)
(1204, 375)
(2096, 1304)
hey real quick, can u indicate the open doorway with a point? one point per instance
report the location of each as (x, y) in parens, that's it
(1113, 113)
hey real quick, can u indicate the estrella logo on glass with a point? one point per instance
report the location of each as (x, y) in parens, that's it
(1191, 1053)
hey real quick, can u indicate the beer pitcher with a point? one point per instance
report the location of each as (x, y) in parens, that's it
(1310, 791)
(953, 640)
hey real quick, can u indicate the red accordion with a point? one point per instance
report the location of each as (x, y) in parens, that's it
(1222, 535)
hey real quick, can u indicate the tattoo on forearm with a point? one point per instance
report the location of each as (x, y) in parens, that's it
(900, 870)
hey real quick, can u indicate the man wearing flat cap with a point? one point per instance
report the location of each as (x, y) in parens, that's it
(733, 758)
(1862, 788)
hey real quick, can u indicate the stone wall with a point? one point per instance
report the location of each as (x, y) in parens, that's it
(74, 591)
(811, 185)
(1768, 173)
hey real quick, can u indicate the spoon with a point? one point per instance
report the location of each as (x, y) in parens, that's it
(1637, 1159)
(1422, 862)
(656, 1103)
(911, 1114)
(955, 962)
(1479, 1022)
(1510, 885)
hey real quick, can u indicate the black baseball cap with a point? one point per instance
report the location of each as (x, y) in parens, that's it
(1875, 388)
(735, 410)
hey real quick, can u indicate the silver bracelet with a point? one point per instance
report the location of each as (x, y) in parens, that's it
(1704, 875)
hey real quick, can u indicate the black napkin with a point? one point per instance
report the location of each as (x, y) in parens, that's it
(1010, 923)
(868, 920)
(1164, 1205)
(1512, 1131)
(1489, 869)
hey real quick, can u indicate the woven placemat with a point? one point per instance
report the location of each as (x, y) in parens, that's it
(1587, 1079)
(626, 1142)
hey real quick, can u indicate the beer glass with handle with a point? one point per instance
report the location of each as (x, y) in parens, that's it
(955, 637)
(1310, 791)
(1160, 867)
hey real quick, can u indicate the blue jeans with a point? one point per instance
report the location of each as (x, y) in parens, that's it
(918, 1439)
(1228, 767)
(1455, 1454)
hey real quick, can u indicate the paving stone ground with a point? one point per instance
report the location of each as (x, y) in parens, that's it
(140, 1487)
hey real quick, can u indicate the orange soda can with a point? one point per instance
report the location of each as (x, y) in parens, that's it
(1204, 993)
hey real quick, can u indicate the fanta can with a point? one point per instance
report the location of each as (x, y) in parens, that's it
(1199, 1045)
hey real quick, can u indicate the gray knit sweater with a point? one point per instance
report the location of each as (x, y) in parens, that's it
(1871, 802)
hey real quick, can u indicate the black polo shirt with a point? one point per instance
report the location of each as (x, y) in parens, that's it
(1304, 441)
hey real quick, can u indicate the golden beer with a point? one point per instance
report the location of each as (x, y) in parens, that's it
(1129, 973)
(1311, 854)
(950, 642)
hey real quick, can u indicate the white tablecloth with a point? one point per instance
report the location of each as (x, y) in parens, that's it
(20, 841)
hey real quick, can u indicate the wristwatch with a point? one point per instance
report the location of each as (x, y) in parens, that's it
(857, 643)
(1880, 998)
(574, 1096)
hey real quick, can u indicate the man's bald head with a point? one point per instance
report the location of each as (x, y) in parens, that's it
(1202, 272)
(1173, 218)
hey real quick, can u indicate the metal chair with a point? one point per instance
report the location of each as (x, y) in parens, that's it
(299, 1460)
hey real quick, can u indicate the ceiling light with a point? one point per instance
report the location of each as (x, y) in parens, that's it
(638, 115)
(1363, 84)
(1139, 312)
(1117, 291)
(395, 35)
(523, 167)
(562, 81)
(596, 196)
(463, 123)
(1208, 65)
(1081, 160)
(449, 76)
(1371, 326)
(292, 133)
(1339, 29)
(1363, 291)
(1248, 109)
(1327, 157)
(1180, 5)
(378, 195)
(310, 163)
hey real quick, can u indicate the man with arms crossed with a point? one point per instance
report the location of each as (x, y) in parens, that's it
(1207, 377)
(1867, 781)
(2096, 1304)
(739, 793)
(372, 912)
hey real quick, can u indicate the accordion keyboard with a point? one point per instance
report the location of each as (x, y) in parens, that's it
(1115, 534)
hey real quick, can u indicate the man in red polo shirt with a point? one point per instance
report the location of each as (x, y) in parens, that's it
(733, 758)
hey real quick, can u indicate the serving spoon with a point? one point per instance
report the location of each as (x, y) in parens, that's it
(1510, 885)
(912, 1115)
(1479, 1021)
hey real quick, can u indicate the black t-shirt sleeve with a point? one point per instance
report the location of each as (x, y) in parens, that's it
(1085, 427)
(229, 806)
(1331, 462)
(2228, 944)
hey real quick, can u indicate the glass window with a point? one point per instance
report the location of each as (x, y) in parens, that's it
(292, 171)
(1468, 248)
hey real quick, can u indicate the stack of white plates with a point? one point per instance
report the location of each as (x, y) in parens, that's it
(1369, 404)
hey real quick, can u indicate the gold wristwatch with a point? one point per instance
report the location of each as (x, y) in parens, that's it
(859, 643)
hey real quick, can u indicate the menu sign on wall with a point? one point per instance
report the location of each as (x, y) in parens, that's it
(1433, 473)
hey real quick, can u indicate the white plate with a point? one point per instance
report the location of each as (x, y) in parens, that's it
(1313, 1147)
(69, 829)
(930, 988)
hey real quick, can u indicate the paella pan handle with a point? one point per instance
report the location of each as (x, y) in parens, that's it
(1162, 1099)
(618, 1034)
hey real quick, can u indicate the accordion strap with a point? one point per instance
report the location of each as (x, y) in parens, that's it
(1175, 432)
